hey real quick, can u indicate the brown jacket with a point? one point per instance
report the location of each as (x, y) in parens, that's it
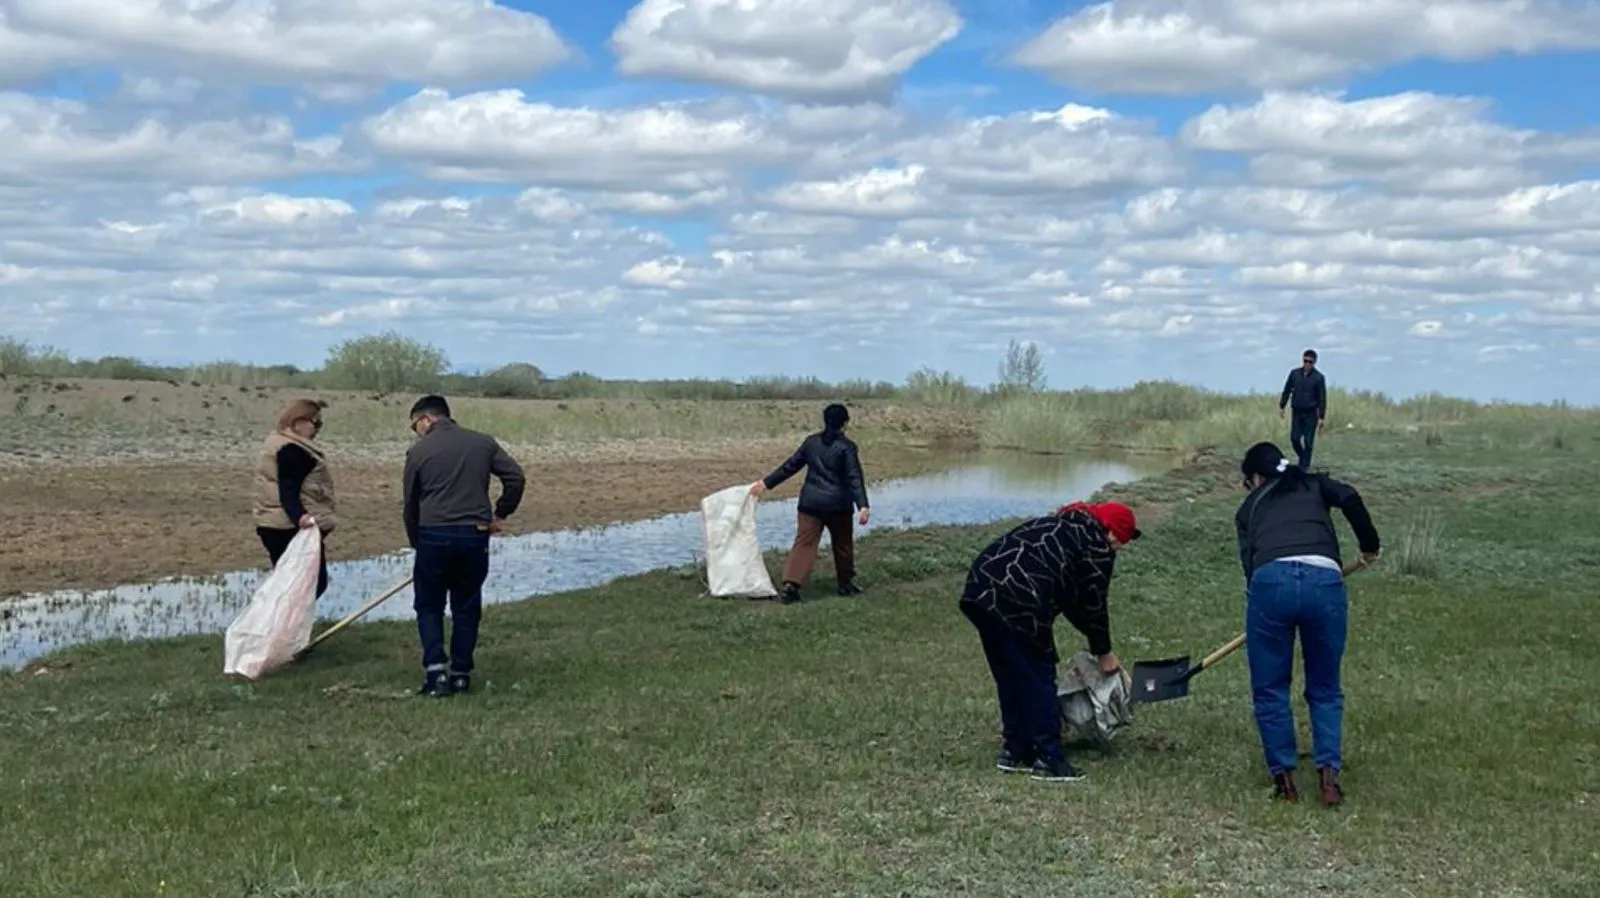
(316, 493)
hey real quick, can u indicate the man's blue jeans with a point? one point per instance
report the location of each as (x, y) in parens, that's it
(1287, 598)
(1025, 683)
(1303, 435)
(450, 566)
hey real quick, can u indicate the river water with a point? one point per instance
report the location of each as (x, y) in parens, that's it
(978, 490)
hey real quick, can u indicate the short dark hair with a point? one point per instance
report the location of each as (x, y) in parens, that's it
(835, 416)
(432, 404)
(1309, 354)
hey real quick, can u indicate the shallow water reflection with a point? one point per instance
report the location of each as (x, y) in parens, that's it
(990, 489)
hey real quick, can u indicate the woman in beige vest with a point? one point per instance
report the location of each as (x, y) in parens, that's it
(294, 488)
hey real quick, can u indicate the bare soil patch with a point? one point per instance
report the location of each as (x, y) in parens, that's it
(88, 526)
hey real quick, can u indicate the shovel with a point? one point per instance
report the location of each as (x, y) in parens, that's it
(352, 617)
(1168, 678)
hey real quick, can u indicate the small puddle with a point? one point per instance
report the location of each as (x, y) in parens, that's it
(978, 492)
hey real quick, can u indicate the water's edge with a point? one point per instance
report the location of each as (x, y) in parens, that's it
(541, 564)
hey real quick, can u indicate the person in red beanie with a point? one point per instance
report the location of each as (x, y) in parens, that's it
(1060, 563)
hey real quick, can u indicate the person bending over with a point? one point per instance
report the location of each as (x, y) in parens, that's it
(449, 519)
(294, 488)
(1062, 564)
(833, 488)
(1290, 555)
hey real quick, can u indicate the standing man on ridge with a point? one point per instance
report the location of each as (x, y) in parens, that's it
(1308, 390)
(449, 520)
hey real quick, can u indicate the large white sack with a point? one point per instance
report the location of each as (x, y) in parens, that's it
(277, 624)
(734, 566)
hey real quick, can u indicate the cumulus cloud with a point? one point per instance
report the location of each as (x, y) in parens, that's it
(446, 42)
(832, 51)
(816, 230)
(501, 135)
(1413, 140)
(64, 140)
(1196, 46)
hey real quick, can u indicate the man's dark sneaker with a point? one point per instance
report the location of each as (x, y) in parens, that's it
(1010, 763)
(790, 594)
(460, 682)
(436, 685)
(1283, 787)
(849, 589)
(1328, 782)
(1059, 772)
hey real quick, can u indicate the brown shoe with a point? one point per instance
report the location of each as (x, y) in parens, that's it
(1328, 781)
(1283, 788)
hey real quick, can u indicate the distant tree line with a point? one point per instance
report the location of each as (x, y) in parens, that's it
(389, 362)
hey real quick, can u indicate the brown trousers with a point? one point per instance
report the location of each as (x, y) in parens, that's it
(808, 536)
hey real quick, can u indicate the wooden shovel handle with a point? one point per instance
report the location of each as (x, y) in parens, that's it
(1237, 641)
(359, 613)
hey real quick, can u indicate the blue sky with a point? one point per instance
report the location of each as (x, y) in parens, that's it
(670, 188)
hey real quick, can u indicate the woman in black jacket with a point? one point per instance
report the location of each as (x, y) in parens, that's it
(1058, 564)
(1290, 555)
(834, 486)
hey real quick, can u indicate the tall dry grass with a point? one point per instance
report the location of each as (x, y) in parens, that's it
(1162, 415)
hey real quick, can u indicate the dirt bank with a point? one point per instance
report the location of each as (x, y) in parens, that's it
(86, 526)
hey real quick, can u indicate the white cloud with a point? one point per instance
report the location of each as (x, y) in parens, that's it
(1196, 46)
(63, 140)
(500, 135)
(814, 50)
(1414, 140)
(444, 42)
(739, 233)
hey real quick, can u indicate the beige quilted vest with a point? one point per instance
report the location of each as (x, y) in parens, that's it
(316, 494)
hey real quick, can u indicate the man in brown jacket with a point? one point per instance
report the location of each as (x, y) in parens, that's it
(449, 518)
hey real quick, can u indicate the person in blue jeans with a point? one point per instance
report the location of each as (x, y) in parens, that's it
(449, 519)
(1290, 554)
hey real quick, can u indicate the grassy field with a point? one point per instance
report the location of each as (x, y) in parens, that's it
(638, 740)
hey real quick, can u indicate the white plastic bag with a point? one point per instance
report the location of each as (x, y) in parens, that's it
(277, 624)
(734, 566)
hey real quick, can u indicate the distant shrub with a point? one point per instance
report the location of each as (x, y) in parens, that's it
(386, 363)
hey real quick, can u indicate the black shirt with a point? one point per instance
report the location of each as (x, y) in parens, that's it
(1290, 516)
(1056, 564)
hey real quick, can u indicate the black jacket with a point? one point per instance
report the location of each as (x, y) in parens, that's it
(1056, 564)
(446, 479)
(1281, 518)
(834, 483)
(1308, 392)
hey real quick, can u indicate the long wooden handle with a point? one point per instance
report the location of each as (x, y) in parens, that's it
(1232, 646)
(1237, 641)
(359, 613)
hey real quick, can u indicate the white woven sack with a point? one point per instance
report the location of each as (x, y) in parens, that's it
(734, 566)
(277, 623)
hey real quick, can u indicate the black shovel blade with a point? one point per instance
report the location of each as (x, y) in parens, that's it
(1160, 681)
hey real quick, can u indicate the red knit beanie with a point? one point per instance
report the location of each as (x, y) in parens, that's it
(1114, 516)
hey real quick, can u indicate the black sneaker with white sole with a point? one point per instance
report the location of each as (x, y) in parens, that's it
(1060, 772)
(460, 683)
(436, 685)
(1006, 762)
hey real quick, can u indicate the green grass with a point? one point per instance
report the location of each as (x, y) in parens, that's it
(1156, 415)
(639, 740)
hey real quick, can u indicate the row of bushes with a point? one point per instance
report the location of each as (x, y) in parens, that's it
(391, 363)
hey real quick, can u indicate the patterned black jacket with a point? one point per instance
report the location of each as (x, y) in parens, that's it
(1056, 564)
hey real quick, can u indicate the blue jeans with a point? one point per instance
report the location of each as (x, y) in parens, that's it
(450, 566)
(1303, 435)
(1288, 598)
(1025, 682)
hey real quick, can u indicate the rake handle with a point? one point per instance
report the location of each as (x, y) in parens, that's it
(357, 614)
